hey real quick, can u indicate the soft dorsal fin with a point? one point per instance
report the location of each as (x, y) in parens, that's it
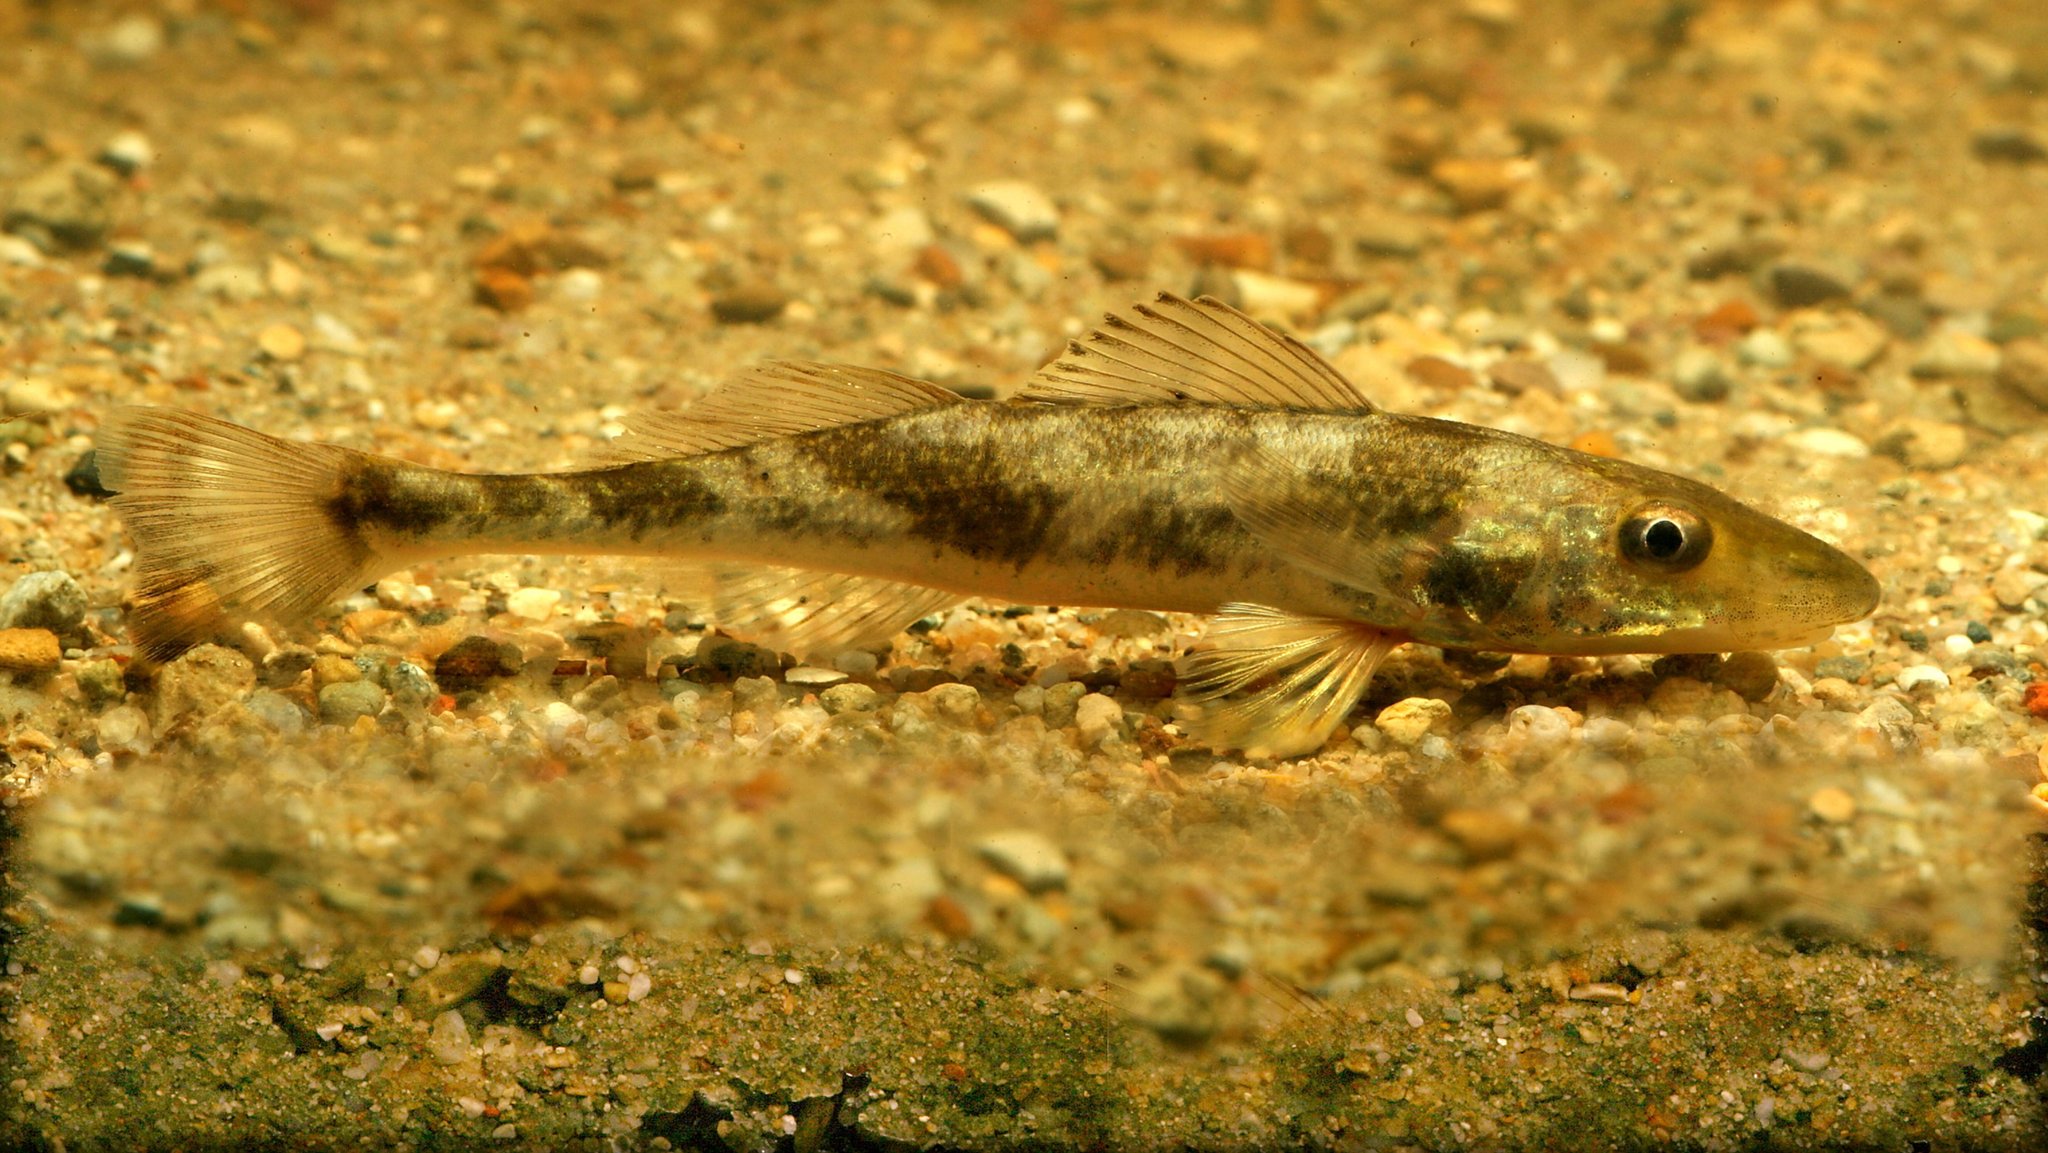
(1200, 350)
(776, 398)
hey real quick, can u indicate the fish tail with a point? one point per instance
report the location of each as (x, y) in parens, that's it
(227, 520)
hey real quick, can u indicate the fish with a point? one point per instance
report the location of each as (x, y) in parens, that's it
(1181, 457)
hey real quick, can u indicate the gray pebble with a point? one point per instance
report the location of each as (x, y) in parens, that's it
(278, 711)
(755, 694)
(44, 600)
(1025, 857)
(343, 702)
(69, 204)
(1060, 701)
(1017, 208)
(1700, 375)
(101, 682)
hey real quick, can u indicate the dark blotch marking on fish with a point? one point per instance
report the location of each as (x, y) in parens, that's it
(388, 496)
(1162, 533)
(955, 493)
(1483, 586)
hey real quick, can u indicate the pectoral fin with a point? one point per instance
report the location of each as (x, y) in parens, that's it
(807, 612)
(1299, 675)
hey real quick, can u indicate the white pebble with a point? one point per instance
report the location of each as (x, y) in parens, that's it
(1537, 734)
(533, 604)
(1096, 717)
(1958, 644)
(638, 986)
(1026, 858)
(1829, 442)
(1917, 676)
(426, 956)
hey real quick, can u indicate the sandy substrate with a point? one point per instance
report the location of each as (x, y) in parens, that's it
(519, 851)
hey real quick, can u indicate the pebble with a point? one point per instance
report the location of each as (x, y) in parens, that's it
(2013, 587)
(101, 682)
(1828, 442)
(71, 203)
(132, 40)
(532, 604)
(31, 651)
(1833, 805)
(200, 681)
(1515, 377)
(2023, 368)
(2008, 145)
(1932, 445)
(812, 675)
(1950, 353)
(1018, 208)
(282, 342)
(449, 1038)
(956, 704)
(1479, 184)
(1920, 676)
(1764, 348)
(29, 396)
(1027, 858)
(342, 703)
(1844, 339)
(455, 979)
(123, 729)
(849, 699)
(127, 152)
(1537, 734)
(1228, 151)
(750, 302)
(1407, 721)
(44, 600)
(1798, 284)
(1700, 375)
(758, 695)
(1270, 297)
(473, 660)
(1484, 834)
(1751, 676)
(1097, 717)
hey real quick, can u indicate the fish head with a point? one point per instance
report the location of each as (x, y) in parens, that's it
(1601, 556)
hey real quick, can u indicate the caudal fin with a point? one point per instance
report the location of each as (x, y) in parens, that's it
(226, 521)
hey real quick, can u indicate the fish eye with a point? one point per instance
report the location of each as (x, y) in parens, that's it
(1666, 538)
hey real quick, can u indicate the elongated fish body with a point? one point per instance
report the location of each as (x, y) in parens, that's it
(1182, 458)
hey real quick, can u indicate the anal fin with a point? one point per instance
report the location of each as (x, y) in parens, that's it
(1300, 676)
(808, 612)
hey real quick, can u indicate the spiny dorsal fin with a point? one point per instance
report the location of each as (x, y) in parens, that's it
(1300, 675)
(1200, 350)
(776, 398)
(807, 612)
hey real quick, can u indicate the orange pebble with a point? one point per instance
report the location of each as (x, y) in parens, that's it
(1598, 442)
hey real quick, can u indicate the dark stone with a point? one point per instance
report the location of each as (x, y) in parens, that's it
(1805, 285)
(473, 660)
